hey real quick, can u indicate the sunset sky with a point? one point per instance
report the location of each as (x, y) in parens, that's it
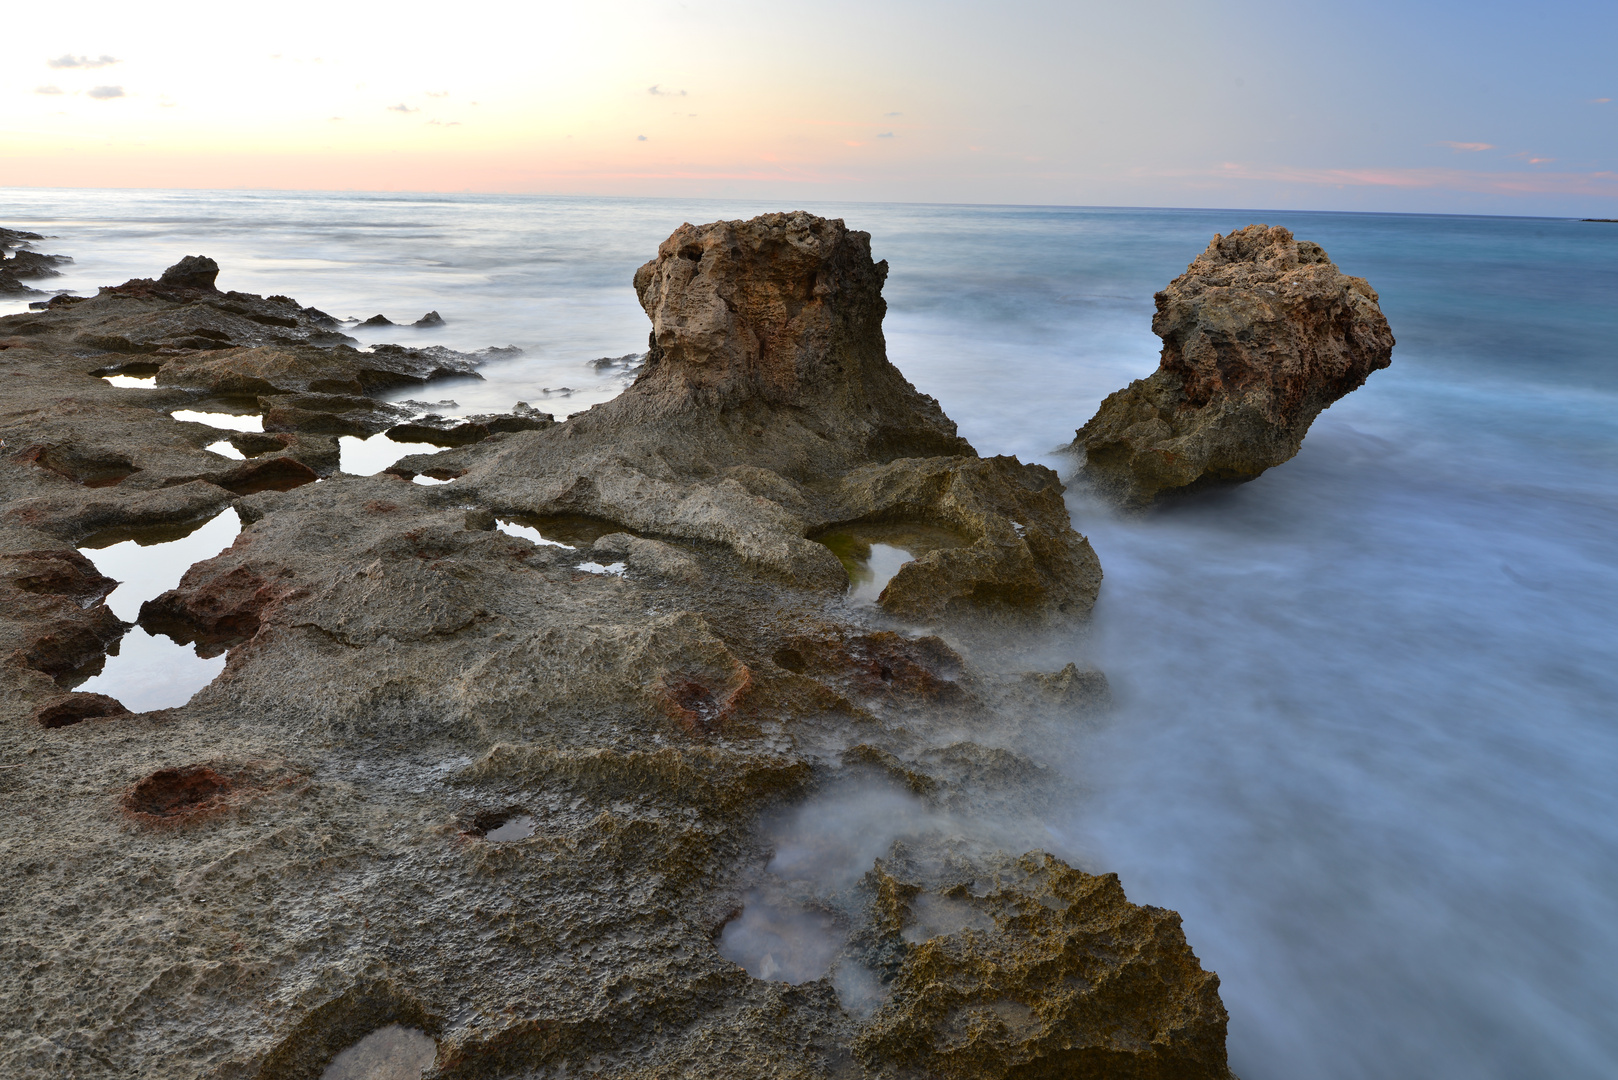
(1451, 107)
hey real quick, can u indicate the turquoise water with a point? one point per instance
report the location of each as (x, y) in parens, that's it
(1367, 731)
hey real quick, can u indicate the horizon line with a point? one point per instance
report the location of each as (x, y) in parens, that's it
(740, 198)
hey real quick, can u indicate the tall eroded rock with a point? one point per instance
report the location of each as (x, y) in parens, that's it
(1260, 334)
(767, 413)
(784, 313)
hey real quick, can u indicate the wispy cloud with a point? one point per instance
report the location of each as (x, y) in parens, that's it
(438, 93)
(640, 138)
(1601, 101)
(70, 61)
(47, 89)
(655, 91)
(1466, 147)
(402, 107)
(884, 134)
(106, 93)
(444, 123)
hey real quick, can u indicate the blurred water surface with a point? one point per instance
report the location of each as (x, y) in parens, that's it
(1367, 734)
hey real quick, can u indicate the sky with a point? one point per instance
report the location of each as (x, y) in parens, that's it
(1477, 107)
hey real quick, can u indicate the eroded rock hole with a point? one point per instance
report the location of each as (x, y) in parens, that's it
(92, 468)
(76, 708)
(503, 826)
(779, 943)
(699, 710)
(176, 794)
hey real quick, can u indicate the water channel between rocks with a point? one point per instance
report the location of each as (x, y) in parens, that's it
(150, 671)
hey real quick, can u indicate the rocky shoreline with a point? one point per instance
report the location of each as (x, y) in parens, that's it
(532, 759)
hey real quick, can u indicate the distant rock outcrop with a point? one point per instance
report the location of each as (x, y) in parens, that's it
(1260, 334)
(192, 272)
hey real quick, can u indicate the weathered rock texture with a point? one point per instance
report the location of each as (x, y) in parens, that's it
(241, 887)
(1024, 972)
(767, 412)
(1260, 334)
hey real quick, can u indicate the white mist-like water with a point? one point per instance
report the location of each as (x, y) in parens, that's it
(1366, 731)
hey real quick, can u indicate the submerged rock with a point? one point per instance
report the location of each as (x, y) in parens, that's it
(1260, 334)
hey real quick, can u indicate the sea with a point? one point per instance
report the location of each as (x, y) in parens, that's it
(1366, 735)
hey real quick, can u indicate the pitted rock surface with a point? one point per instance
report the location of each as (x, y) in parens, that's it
(1260, 334)
(246, 885)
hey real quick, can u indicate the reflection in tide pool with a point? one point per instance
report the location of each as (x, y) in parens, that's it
(529, 533)
(395, 1052)
(224, 449)
(153, 673)
(872, 553)
(867, 580)
(517, 827)
(133, 381)
(148, 566)
(225, 421)
(367, 457)
(150, 672)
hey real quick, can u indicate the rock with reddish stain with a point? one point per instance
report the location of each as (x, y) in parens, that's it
(52, 618)
(177, 796)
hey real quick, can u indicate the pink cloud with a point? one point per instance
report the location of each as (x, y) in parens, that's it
(1597, 184)
(1466, 147)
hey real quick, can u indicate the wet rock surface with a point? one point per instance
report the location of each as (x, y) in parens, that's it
(508, 793)
(1260, 334)
(20, 263)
